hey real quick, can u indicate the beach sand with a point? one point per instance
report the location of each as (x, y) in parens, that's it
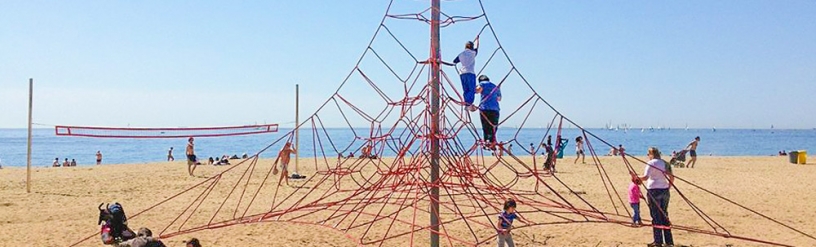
(61, 209)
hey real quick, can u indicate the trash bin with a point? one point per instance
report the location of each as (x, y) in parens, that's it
(793, 157)
(802, 157)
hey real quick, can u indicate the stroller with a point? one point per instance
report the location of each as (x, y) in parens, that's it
(678, 159)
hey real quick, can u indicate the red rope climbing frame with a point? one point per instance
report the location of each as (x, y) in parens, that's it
(385, 202)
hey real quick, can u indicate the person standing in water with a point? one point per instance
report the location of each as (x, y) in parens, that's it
(98, 157)
(191, 157)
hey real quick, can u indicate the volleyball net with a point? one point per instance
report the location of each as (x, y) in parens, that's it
(180, 132)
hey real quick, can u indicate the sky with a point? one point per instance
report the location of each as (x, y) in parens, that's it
(701, 64)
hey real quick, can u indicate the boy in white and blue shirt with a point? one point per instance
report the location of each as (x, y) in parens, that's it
(467, 73)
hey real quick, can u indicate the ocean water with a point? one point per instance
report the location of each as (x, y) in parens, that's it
(723, 142)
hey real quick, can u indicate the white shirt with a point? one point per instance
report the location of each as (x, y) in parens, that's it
(655, 171)
(579, 146)
(468, 60)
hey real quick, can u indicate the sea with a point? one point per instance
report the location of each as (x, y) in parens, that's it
(46, 146)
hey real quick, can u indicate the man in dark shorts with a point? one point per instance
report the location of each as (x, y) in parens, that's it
(191, 157)
(692, 148)
(98, 157)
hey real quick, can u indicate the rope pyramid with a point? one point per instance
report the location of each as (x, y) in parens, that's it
(385, 201)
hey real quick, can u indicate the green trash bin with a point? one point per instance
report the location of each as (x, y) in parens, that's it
(793, 157)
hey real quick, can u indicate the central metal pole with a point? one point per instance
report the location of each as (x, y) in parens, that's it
(297, 130)
(28, 155)
(435, 58)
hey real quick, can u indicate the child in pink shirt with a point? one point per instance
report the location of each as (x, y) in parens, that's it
(634, 200)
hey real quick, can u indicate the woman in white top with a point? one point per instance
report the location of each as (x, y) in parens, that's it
(579, 150)
(658, 181)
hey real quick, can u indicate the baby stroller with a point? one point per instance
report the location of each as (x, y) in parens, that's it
(678, 159)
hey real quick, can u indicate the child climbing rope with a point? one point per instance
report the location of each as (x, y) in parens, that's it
(489, 109)
(505, 224)
(467, 72)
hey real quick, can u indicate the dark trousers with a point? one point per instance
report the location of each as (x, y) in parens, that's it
(489, 121)
(659, 210)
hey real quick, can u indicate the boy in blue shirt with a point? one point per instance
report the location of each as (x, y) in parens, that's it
(505, 224)
(489, 109)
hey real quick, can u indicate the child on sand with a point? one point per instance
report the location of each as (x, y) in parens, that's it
(505, 224)
(634, 201)
(191, 157)
(283, 157)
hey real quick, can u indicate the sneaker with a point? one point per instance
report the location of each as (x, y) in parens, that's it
(654, 245)
(472, 108)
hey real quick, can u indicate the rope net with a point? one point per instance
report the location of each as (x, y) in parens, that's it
(111, 132)
(384, 200)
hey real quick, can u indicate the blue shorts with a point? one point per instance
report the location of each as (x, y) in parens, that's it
(693, 153)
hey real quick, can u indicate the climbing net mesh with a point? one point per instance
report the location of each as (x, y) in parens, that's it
(385, 201)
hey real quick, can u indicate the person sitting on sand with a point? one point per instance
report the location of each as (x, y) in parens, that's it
(193, 242)
(73, 162)
(283, 157)
(621, 149)
(351, 155)
(144, 238)
(244, 156)
(782, 153)
(66, 163)
(210, 161)
(56, 162)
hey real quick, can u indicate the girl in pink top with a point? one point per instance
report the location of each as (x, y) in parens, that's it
(634, 200)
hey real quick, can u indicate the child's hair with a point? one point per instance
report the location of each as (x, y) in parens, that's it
(578, 139)
(510, 203)
(636, 180)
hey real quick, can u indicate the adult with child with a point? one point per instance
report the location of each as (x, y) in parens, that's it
(191, 157)
(692, 148)
(489, 109)
(579, 150)
(467, 72)
(658, 181)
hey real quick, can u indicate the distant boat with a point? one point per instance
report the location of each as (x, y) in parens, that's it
(714, 129)
(686, 126)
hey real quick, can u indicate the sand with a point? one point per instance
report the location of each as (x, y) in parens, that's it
(62, 206)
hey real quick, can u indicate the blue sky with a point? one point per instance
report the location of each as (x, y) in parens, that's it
(724, 64)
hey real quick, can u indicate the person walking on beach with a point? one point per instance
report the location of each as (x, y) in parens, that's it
(692, 148)
(579, 150)
(658, 181)
(191, 157)
(284, 157)
(467, 72)
(489, 109)
(98, 157)
(170, 155)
